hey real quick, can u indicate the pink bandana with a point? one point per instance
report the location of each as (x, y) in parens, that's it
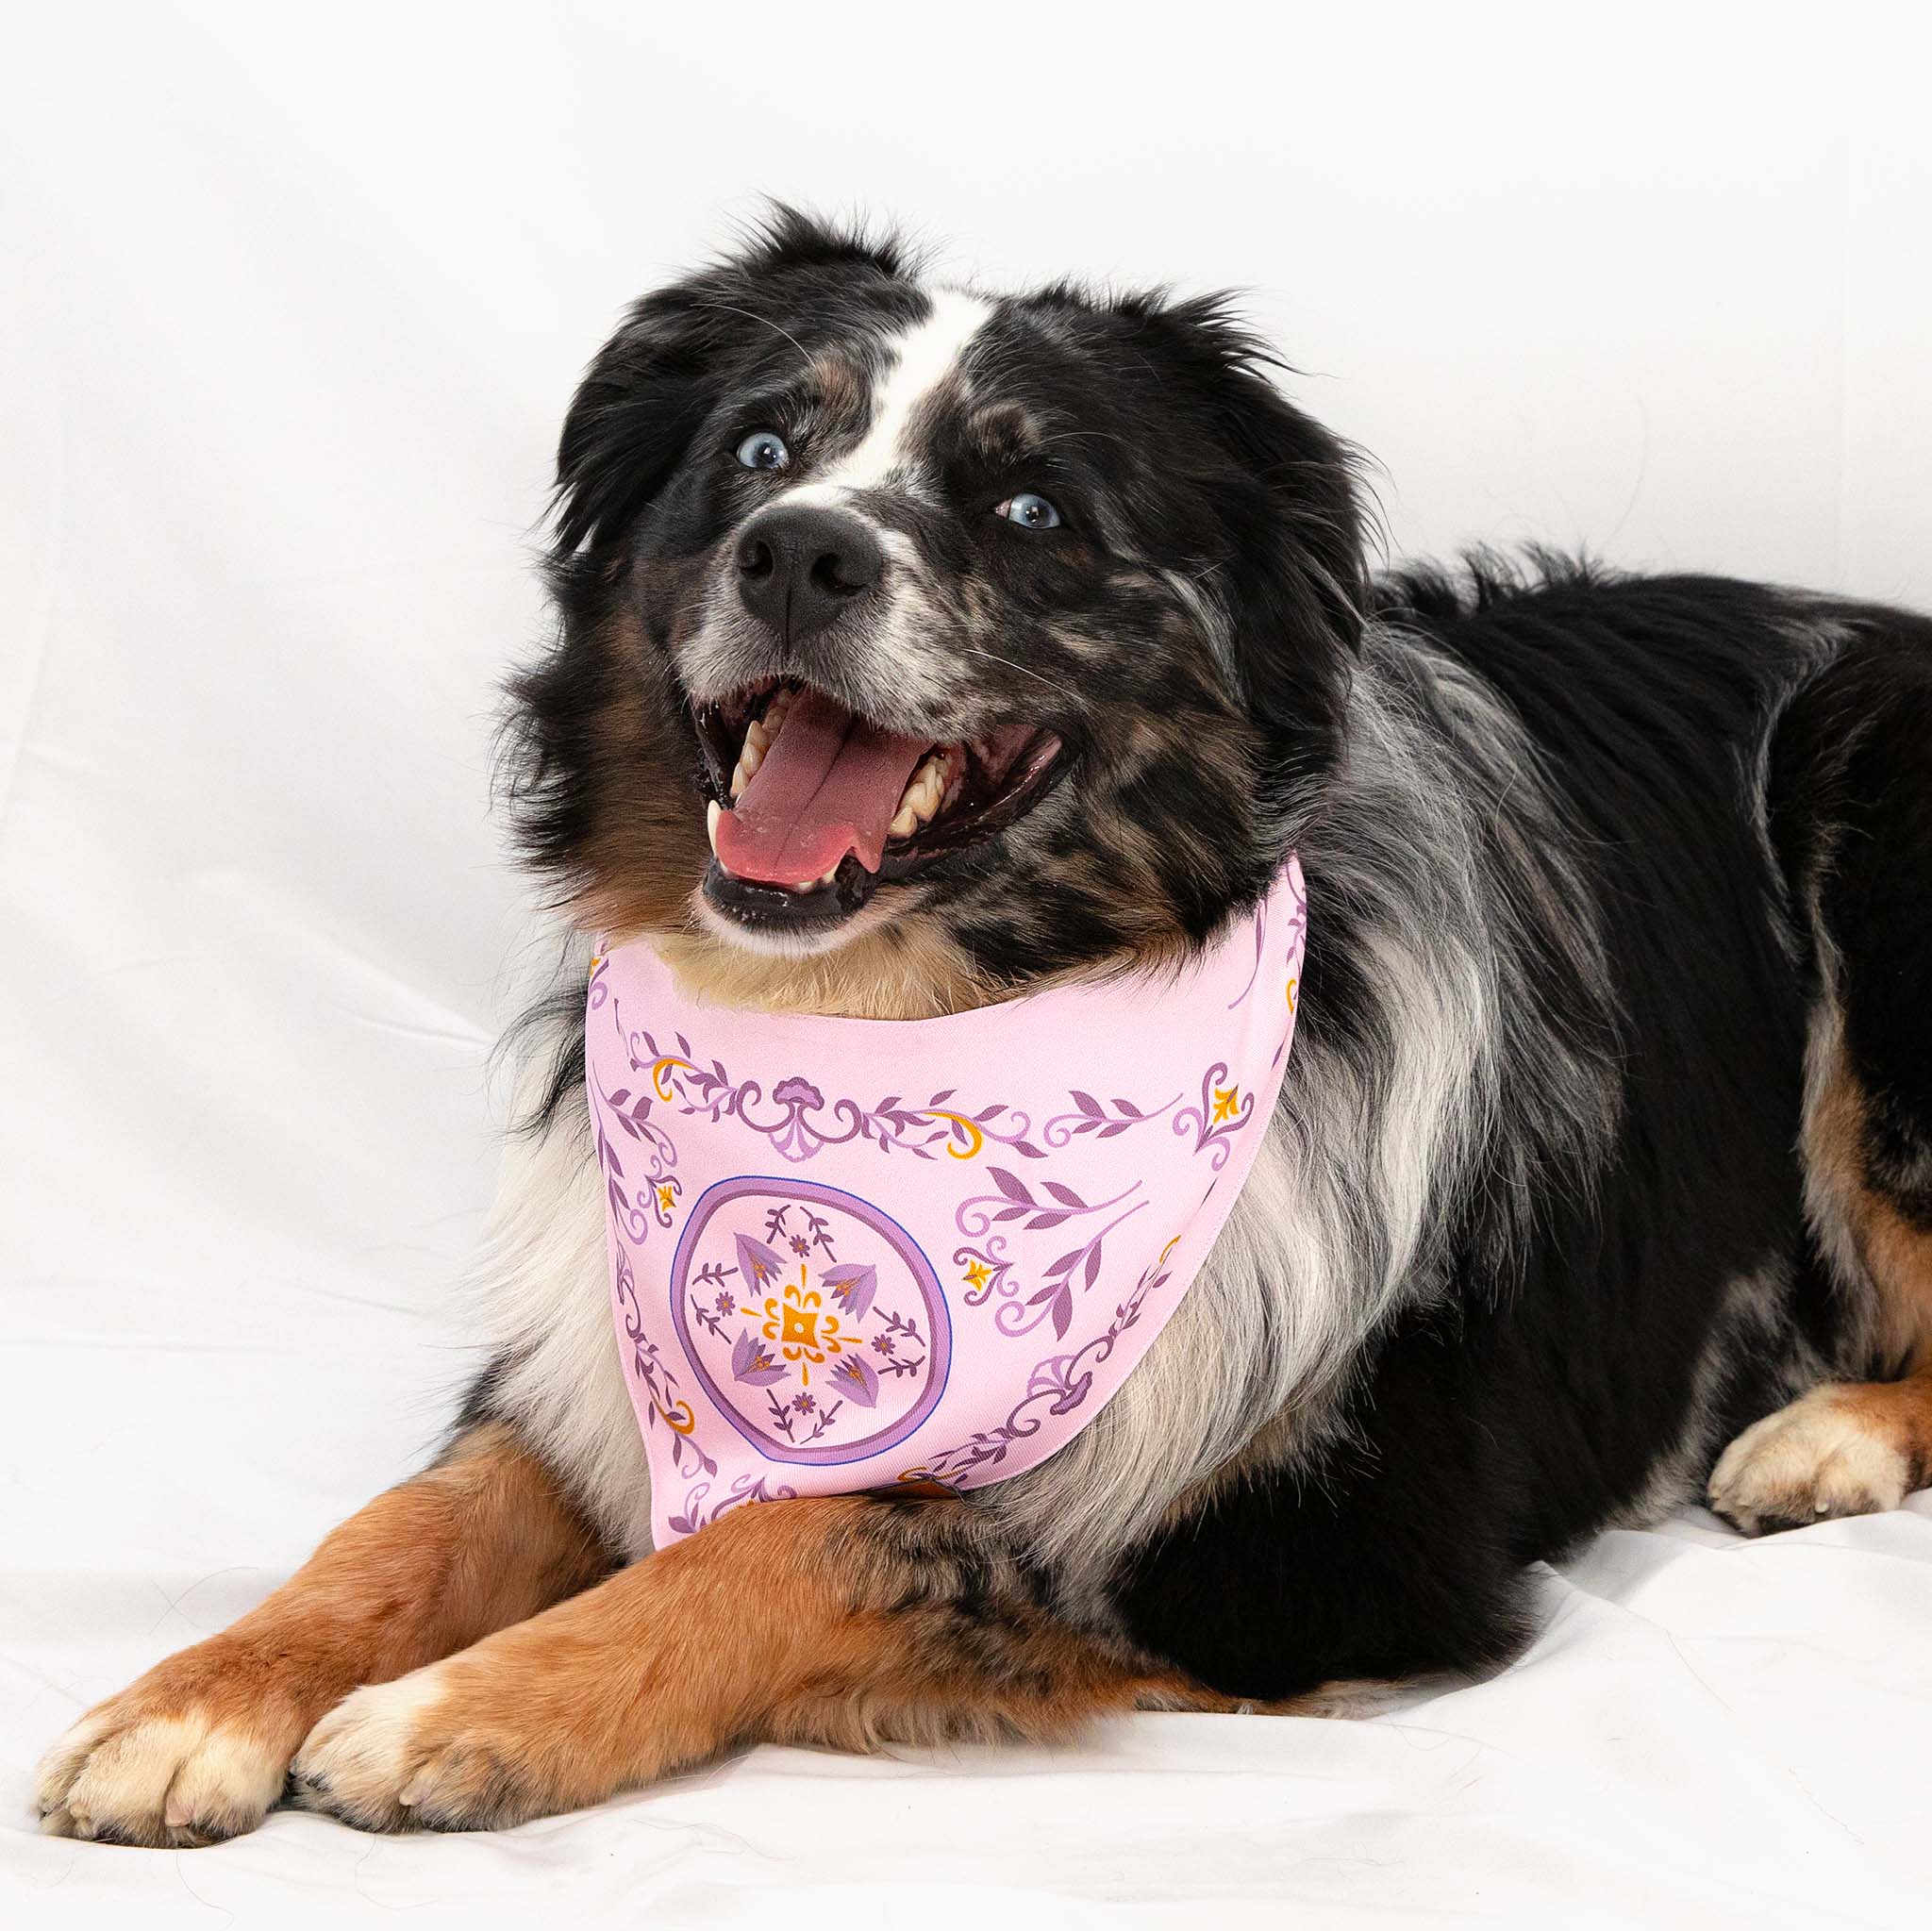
(847, 1253)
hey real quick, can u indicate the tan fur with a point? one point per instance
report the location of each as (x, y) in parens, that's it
(891, 972)
(196, 1749)
(1846, 1448)
(650, 837)
(1893, 1256)
(842, 388)
(831, 1621)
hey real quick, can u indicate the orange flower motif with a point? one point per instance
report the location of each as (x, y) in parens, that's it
(1226, 1102)
(798, 1321)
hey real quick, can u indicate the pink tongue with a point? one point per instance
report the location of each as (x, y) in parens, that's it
(829, 784)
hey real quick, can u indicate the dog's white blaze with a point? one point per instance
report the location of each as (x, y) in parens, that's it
(928, 353)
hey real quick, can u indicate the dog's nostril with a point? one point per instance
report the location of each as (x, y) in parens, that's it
(755, 559)
(829, 572)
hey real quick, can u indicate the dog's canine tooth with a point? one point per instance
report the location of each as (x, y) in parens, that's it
(713, 811)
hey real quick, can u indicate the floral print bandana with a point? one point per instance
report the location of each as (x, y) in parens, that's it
(851, 1252)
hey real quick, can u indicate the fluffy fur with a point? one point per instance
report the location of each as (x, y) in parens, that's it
(1606, 1139)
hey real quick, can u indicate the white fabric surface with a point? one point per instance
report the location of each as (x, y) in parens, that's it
(289, 309)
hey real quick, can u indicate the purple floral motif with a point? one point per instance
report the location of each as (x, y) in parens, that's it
(1056, 1385)
(754, 1363)
(1054, 1205)
(990, 1273)
(747, 1487)
(656, 1376)
(759, 1265)
(898, 1328)
(788, 1416)
(636, 1207)
(1297, 938)
(1219, 1119)
(853, 1286)
(1261, 946)
(838, 1354)
(853, 1375)
(799, 1129)
(1101, 1119)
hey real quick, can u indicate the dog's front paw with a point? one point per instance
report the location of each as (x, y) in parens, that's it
(434, 1750)
(194, 1752)
(1826, 1455)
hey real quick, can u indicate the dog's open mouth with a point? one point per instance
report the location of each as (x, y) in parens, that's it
(815, 805)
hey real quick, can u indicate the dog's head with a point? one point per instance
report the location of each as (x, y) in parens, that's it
(919, 637)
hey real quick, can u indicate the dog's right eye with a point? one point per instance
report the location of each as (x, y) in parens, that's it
(763, 450)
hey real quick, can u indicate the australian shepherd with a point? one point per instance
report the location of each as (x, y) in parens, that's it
(1601, 1181)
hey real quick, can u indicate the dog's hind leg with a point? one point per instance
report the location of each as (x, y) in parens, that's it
(1852, 815)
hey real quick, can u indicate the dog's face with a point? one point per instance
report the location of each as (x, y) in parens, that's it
(902, 623)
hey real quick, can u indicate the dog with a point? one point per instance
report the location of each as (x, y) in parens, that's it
(1600, 1181)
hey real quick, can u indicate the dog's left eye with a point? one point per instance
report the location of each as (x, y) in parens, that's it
(1030, 512)
(763, 450)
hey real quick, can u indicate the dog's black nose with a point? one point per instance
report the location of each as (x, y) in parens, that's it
(799, 565)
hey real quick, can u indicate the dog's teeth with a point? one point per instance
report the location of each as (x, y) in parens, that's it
(713, 811)
(827, 878)
(918, 803)
(806, 885)
(757, 740)
(745, 769)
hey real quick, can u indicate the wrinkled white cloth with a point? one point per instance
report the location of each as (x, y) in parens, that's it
(290, 307)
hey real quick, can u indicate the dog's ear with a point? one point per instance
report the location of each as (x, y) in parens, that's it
(1292, 583)
(655, 382)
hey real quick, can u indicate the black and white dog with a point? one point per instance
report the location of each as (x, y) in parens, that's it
(1601, 1180)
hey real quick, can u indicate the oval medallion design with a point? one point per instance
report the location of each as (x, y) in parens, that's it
(814, 1321)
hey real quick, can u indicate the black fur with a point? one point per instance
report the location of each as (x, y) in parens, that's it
(1695, 774)
(1181, 469)
(1492, 1431)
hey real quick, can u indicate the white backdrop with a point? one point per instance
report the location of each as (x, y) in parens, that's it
(291, 304)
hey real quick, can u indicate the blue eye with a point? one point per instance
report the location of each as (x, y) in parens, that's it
(762, 450)
(1030, 512)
